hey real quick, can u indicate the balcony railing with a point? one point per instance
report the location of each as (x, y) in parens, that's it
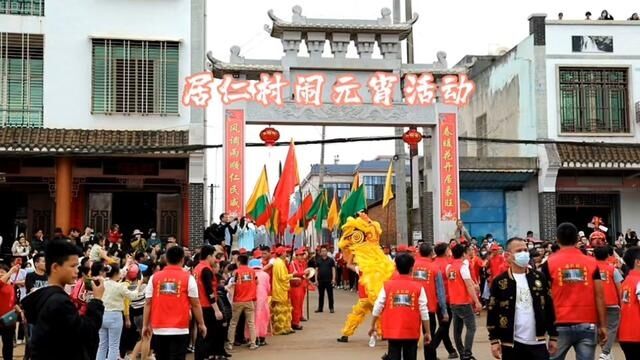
(21, 118)
(22, 7)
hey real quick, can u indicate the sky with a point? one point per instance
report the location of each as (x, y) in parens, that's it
(463, 27)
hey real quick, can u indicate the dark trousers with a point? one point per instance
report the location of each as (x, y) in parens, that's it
(7, 333)
(429, 350)
(464, 317)
(525, 352)
(219, 336)
(170, 347)
(239, 336)
(442, 334)
(402, 350)
(322, 287)
(631, 350)
(204, 344)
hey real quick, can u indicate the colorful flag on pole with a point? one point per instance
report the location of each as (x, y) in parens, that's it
(333, 218)
(297, 222)
(258, 207)
(356, 182)
(287, 183)
(388, 192)
(319, 210)
(355, 202)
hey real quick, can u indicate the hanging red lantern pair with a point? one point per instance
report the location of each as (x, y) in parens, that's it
(412, 137)
(269, 135)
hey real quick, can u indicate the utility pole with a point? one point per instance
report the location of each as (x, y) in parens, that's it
(321, 175)
(399, 167)
(212, 200)
(413, 151)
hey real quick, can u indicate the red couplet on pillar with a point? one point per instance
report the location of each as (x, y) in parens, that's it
(448, 155)
(234, 162)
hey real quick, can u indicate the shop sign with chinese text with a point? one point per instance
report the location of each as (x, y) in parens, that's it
(345, 89)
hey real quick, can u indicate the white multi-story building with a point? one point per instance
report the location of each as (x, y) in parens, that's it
(572, 84)
(92, 129)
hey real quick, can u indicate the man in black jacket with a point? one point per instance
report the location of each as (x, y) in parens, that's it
(59, 332)
(521, 312)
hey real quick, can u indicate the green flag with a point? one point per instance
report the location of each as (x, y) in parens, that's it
(319, 210)
(354, 203)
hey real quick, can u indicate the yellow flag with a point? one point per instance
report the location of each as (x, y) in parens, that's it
(356, 182)
(333, 219)
(388, 193)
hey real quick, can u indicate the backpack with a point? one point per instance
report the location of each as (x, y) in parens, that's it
(79, 297)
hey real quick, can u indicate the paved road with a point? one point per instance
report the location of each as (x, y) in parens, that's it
(318, 339)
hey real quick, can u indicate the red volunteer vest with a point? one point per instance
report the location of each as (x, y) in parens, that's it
(170, 307)
(246, 284)
(425, 272)
(441, 263)
(629, 309)
(572, 286)
(497, 265)
(608, 283)
(401, 315)
(458, 293)
(205, 302)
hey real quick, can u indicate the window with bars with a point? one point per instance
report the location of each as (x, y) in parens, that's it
(131, 76)
(374, 186)
(21, 69)
(594, 100)
(22, 7)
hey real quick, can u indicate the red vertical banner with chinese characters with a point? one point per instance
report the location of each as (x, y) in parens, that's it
(234, 162)
(448, 155)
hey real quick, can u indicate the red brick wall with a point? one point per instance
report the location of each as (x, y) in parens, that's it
(387, 219)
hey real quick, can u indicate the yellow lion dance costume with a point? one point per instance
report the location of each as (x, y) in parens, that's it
(360, 243)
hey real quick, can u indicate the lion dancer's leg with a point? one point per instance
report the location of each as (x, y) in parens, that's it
(355, 318)
(281, 317)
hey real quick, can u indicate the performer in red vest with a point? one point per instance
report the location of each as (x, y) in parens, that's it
(611, 282)
(578, 296)
(464, 301)
(442, 260)
(496, 263)
(171, 295)
(298, 288)
(629, 336)
(428, 274)
(207, 293)
(403, 306)
(244, 301)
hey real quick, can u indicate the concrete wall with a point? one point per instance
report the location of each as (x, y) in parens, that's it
(626, 53)
(522, 210)
(629, 209)
(68, 26)
(504, 92)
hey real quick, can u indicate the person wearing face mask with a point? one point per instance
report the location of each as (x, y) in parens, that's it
(520, 312)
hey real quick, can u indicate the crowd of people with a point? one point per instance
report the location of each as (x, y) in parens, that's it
(99, 296)
(604, 15)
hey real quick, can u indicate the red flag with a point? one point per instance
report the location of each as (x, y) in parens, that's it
(287, 183)
(294, 221)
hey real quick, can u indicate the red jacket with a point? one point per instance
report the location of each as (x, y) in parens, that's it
(425, 272)
(572, 286)
(205, 302)
(170, 306)
(458, 292)
(246, 285)
(401, 315)
(608, 283)
(7, 297)
(442, 263)
(630, 309)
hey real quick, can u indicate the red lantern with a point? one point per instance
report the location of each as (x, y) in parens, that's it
(412, 137)
(269, 135)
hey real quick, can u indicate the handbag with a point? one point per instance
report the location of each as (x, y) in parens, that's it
(9, 319)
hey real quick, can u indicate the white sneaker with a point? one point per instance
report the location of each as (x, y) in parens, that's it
(605, 357)
(19, 342)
